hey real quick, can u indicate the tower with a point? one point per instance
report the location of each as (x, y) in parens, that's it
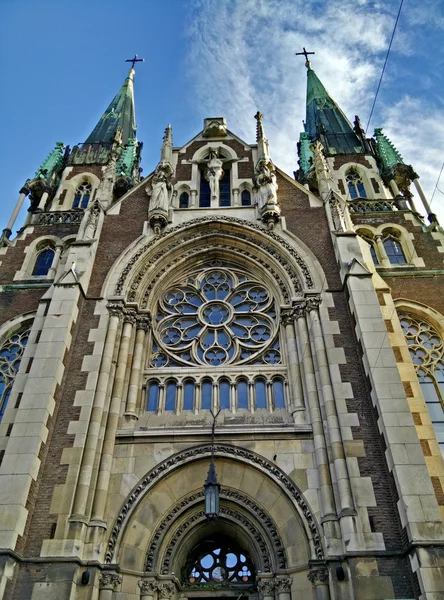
(218, 380)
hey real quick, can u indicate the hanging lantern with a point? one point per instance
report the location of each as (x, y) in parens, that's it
(212, 488)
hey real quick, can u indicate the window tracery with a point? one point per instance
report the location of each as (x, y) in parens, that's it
(427, 352)
(43, 262)
(11, 353)
(217, 316)
(355, 184)
(82, 195)
(218, 564)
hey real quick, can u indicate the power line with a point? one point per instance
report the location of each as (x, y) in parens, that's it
(436, 186)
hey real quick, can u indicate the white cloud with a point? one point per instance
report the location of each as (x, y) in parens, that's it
(242, 59)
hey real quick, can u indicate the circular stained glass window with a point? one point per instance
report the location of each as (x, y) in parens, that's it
(213, 563)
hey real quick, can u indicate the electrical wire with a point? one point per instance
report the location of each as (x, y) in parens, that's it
(436, 186)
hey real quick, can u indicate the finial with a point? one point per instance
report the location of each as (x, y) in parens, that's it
(134, 60)
(260, 134)
(167, 144)
(305, 53)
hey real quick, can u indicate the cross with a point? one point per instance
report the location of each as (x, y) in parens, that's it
(135, 59)
(305, 53)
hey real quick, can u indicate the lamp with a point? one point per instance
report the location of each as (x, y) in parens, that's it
(211, 484)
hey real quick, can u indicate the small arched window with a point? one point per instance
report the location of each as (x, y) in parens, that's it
(355, 184)
(171, 395)
(261, 394)
(394, 251)
(11, 353)
(278, 393)
(207, 395)
(373, 254)
(188, 395)
(153, 396)
(43, 262)
(204, 193)
(242, 393)
(225, 189)
(224, 394)
(184, 200)
(246, 198)
(82, 195)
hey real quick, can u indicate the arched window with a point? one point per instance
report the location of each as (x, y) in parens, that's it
(188, 395)
(171, 394)
(261, 393)
(82, 195)
(225, 189)
(427, 352)
(278, 393)
(184, 199)
(246, 198)
(224, 394)
(394, 251)
(153, 396)
(11, 353)
(355, 184)
(218, 563)
(242, 393)
(373, 255)
(43, 262)
(207, 395)
(204, 193)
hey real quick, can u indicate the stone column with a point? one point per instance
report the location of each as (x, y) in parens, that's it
(42, 203)
(236, 197)
(319, 578)
(142, 327)
(8, 229)
(147, 588)
(165, 590)
(92, 437)
(382, 253)
(193, 196)
(283, 588)
(331, 416)
(431, 216)
(327, 502)
(266, 588)
(98, 510)
(55, 262)
(296, 407)
(108, 584)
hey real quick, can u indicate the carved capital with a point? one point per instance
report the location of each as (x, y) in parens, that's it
(318, 576)
(166, 589)
(144, 322)
(287, 316)
(147, 586)
(313, 303)
(109, 581)
(129, 316)
(283, 585)
(266, 587)
(115, 309)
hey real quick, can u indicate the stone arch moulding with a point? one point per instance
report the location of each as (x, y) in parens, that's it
(276, 252)
(252, 459)
(266, 536)
(421, 310)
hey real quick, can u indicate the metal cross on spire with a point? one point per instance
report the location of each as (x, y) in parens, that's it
(134, 60)
(304, 53)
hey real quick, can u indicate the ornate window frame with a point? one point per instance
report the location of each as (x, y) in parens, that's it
(31, 253)
(69, 186)
(375, 237)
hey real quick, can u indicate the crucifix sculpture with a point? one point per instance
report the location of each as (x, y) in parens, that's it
(134, 60)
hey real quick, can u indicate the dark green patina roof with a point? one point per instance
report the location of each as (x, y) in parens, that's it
(326, 122)
(120, 113)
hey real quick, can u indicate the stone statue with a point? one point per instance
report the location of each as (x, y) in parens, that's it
(265, 182)
(161, 191)
(214, 172)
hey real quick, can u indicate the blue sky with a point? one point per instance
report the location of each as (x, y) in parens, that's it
(62, 63)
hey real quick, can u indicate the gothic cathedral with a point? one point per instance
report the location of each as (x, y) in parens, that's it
(220, 381)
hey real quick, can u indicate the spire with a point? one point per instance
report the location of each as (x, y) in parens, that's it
(120, 115)
(167, 145)
(386, 151)
(262, 142)
(326, 122)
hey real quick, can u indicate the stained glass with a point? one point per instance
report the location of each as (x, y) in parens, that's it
(11, 353)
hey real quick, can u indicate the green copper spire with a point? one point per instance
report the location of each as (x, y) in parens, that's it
(386, 151)
(127, 159)
(305, 154)
(326, 122)
(120, 114)
(52, 163)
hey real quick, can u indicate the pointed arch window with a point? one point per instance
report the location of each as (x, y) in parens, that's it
(82, 195)
(11, 352)
(355, 184)
(426, 348)
(184, 200)
(394, 251)
(246, 198)
(225, 189)
(43, 262)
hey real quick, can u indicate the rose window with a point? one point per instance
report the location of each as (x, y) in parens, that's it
(219, 316)
(218, 565)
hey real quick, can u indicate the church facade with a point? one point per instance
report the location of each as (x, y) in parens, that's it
(220, 380)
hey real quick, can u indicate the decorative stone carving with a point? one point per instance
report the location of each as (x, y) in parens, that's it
(109, 581)
(166, 589)
(190, 454)
(318, 576)
(160, 187)
(129, 316)
(143, 322)
(266, 587)
(283, 585)
(115, 309)
(214, 172)
(92, 219)
(337, 213)
(147, 586)
(269, 250)
(215, 128)
(264, 179)
(313, 303)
